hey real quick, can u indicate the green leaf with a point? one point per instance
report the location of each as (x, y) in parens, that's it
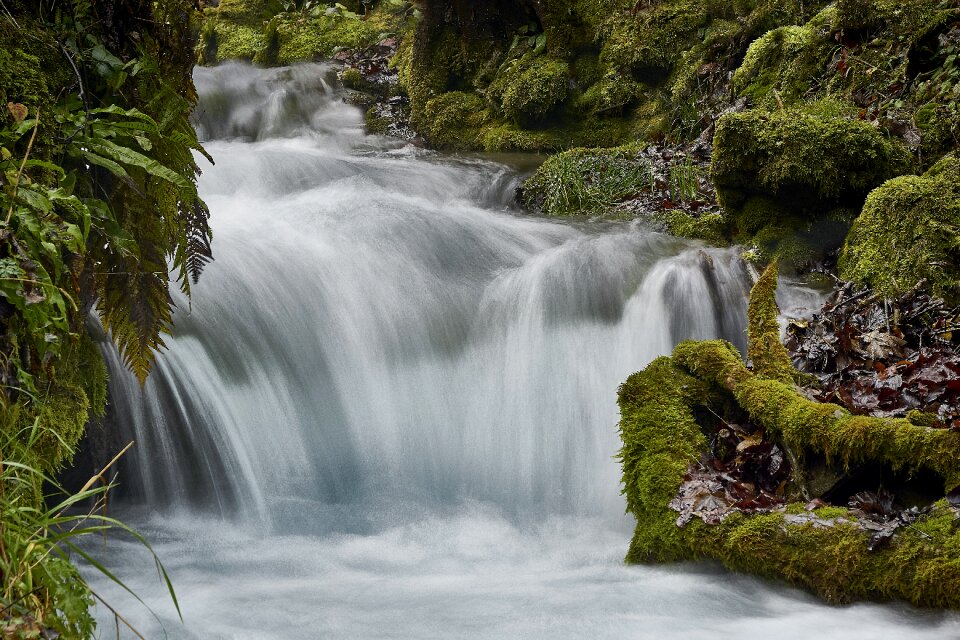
(34, 199)
(129, 157)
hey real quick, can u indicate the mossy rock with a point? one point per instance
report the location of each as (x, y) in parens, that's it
(902, 17)
(74, 391)
(824, 550)
(909, 230)
(510, 137)
(610, 94)
(230, 41)
(251, 13)
(782, 65)
(586, 181)
(800, 159)
(529, 88)
(453, 120)
(647, 44)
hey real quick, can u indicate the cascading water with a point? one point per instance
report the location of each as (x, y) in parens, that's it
(390, 409)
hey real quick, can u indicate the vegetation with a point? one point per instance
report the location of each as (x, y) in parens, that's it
(909, 231)
(664, 410)
(277, 32)
(99, 210)
(584, 182)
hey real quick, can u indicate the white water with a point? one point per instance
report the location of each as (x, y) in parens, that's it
(390, 411)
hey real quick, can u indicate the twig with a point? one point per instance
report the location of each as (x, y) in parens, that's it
(16, 184)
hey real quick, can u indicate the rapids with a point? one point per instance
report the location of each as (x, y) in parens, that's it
(389, 409)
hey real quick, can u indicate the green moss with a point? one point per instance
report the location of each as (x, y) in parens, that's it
(909, 231)
(799, 158)
(510, 137)
(824, 428)
(710, 227)
(767, 354)
(660, 439)
(648, 45)
(250, 13)
(318, 38)
(235, 42)
(454, 120)
(824, 550)
(351, 78)
(73, 393)
(586, 181)
(905, 17)
(782, 65)
(611, 93)
(529, 88)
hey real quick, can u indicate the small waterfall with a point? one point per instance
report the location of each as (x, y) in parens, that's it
(379, 324)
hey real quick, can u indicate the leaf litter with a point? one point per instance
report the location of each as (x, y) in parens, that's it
(874, 356)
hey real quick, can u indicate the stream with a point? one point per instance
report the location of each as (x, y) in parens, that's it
(389, 410)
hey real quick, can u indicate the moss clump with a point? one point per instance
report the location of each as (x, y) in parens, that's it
(352, 78)
(781, 65)
(660, 439)
(610, 94)
(800, 158)
(529, 88)
(710, 226)
(510, 137)
(253, 30)
(454, 120)
(648, 45)
(317, 38)
(908, 17)
(824, 428)
(244, 12)
(586, 181)
(909, 230)
(766, 353)
(229, 41)
(74, 391)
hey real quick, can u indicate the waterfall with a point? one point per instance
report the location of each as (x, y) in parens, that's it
(389, 409)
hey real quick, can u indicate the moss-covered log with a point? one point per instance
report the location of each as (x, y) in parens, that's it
(825, 549)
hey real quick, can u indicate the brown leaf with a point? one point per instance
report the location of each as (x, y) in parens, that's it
(18, 111)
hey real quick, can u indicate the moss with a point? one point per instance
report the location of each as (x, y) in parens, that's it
(376, 123)
(234, 42)
(586, 181)
(782, 65)
(611, 93)
(825, 550)
(453, 120)
(250, 13)
(351, 78)
(73, 393)
(660, 439)
(799, 158)
(909, 231)
(707, 226)
(529, 88)
(648, 45)
(767, 354)
(905, 17)
(317, 38)
(510, 137)
(824, 428)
